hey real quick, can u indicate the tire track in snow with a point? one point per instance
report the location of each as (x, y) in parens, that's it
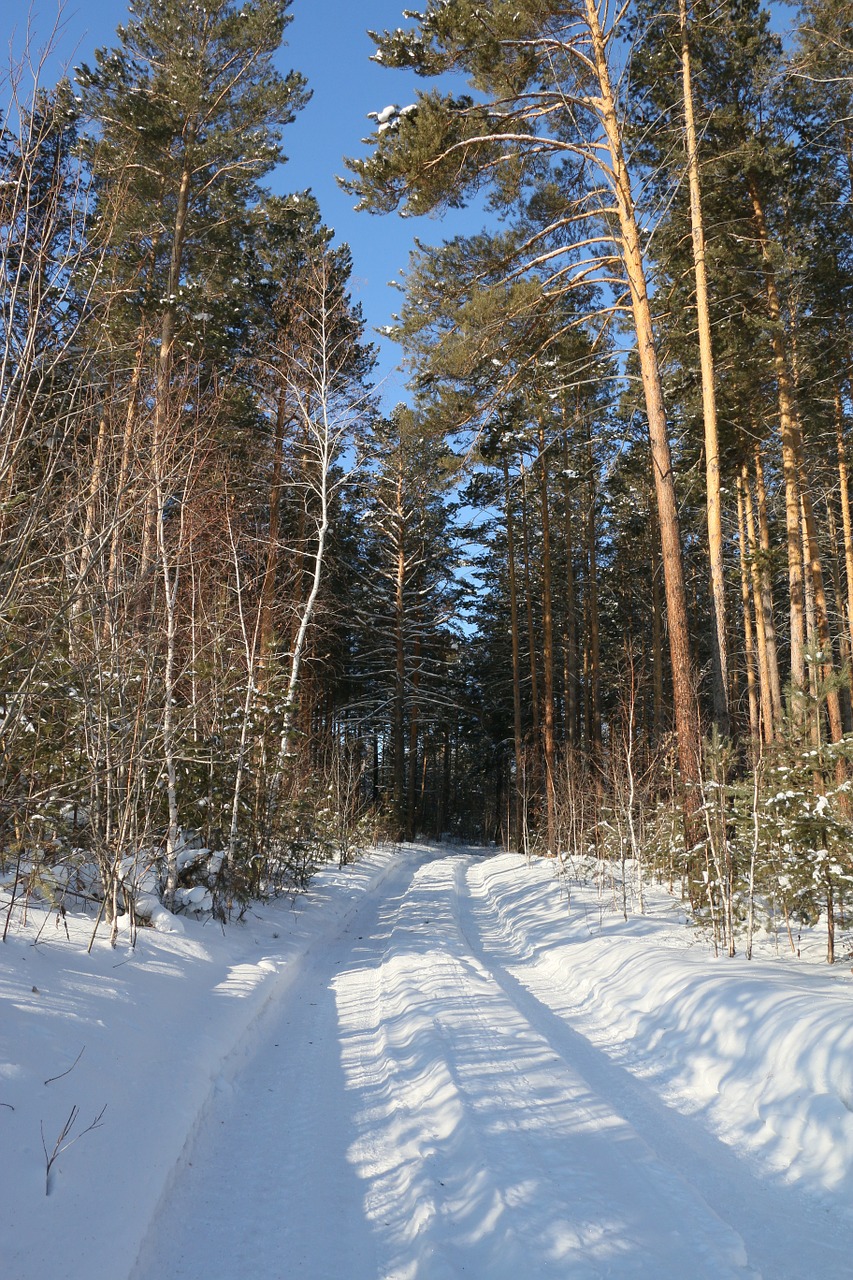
(482, 1152)
(415, 1113)
(263, 1188)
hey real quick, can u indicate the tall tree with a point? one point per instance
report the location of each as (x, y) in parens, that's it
(545, 80)
(188, 112)
(407, 596)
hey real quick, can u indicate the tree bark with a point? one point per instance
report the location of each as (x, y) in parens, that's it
(768, 717)
(846, 524)
(824, 639)
(399, 718)
(122, 484)
(273, 531)
(594, 728)
(685, 702)
(790, 469)
(570, 643)
(843, 636)
(412, 792)
(89, 541)
(766, 591)
(749, 643)
(547, 653)
(657, 629)
(516, 662)
(531, 634)
(709, 404)
(811, 634)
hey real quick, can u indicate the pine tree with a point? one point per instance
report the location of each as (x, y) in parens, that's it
(406, 601)
(186, 117)
(545, 80)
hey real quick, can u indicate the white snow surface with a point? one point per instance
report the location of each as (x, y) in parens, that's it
(433, 1065)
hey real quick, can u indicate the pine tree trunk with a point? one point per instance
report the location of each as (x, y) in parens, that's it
(685, 702)
(749, 644)
(812, 561)
(516, 661)
(399, 718)
(570, 644)
(811, 635)
(766, 588)
(412, 792)
(595, 742)
(790, 468)
(531, 633)
(709, 404)
(846, 524)
(843, 635)
(768, 707)
(548, 654)
(657, 630)
(170, 568)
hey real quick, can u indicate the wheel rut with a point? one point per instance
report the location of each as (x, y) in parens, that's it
(424, 1108)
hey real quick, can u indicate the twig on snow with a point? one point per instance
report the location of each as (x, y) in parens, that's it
(70, 1069)
(64, 1141)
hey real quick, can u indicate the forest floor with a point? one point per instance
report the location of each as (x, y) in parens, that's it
(438, 1063)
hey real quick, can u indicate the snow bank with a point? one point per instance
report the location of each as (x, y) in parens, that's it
(761, 1052)
(763, 1049)
(160, 1029)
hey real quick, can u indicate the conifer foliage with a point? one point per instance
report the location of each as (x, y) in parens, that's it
(644, 162)
(590, 593)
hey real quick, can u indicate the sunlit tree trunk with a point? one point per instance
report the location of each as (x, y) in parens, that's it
(709, 405)
(812, 560)
(811, 635)
(766, 590)
(768, 706)
(814, 572)
(658, 725)
(843, 634)
(89, 540)
(749, 643)
(685, 702)
(846, 524)
(790, 459)
(399, 712)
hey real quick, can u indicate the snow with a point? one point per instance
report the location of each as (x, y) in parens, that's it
(385, 115)
(433, 1065)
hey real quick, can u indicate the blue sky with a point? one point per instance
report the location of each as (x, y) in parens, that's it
(327, 42)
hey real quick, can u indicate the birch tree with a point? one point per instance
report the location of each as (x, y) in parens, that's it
(321, 373)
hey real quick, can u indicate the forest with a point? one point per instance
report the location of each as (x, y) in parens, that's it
(588, 593)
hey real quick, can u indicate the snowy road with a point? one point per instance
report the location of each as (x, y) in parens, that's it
(422, 1106)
